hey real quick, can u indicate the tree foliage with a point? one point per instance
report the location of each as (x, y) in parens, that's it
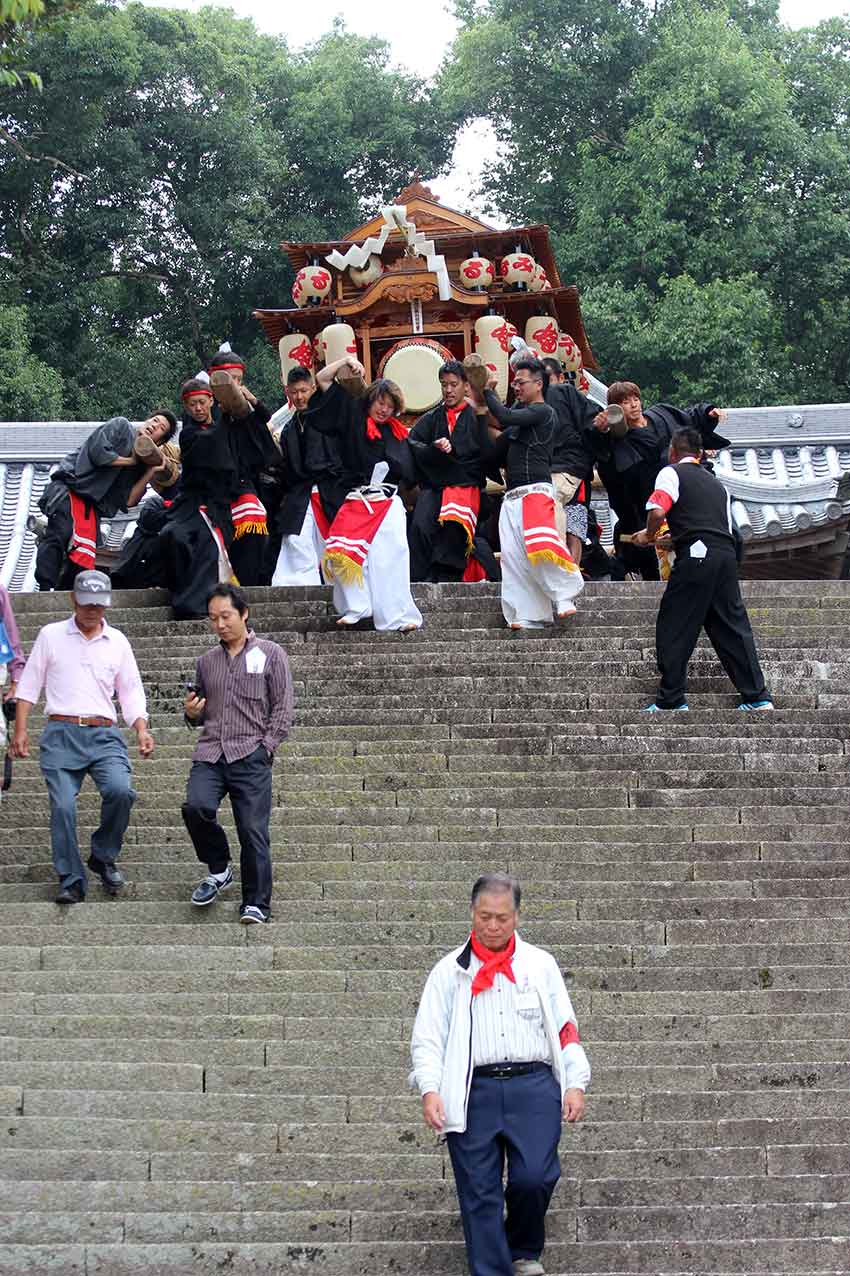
(30, 390)
(145, 192)
(693, 161)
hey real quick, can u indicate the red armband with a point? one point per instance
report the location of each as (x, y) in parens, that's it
(663, 500)
(569, 1035)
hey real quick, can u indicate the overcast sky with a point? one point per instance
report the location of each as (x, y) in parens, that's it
(419, 36)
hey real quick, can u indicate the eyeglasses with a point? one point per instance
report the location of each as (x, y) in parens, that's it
(524, 381)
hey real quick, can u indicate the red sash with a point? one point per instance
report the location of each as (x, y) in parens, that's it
(84, 535)
(322, 521)
(542, 542)
(398, 428)
(350, 536)
(473, 572)
(461, 505)
(249, 516)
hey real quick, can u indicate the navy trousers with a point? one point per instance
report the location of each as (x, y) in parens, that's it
(68, 753)
(518, 1119)
(248, 782)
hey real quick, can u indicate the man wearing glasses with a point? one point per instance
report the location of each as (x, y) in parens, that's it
(539, 576)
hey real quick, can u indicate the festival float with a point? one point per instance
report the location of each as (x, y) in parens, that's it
(421, 283)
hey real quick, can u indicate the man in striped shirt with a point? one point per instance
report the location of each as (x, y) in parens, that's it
(242, 699)
(499, 1065)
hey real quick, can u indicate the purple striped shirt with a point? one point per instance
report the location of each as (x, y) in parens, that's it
(249, 700)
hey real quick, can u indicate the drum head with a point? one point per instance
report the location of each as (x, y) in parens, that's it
(414, 365)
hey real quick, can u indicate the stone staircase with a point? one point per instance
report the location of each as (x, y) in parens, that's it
(180, 1094)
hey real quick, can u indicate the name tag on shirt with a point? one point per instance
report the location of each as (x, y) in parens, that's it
(255, 661)
(526, 1001)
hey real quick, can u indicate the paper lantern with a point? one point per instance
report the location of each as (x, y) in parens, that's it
(517, 270)
(539, 281)
(295, 351)
(541, 333)
(338, 340)
(312, 285)
(318, 351)
(569, 353)
(476, 272)
(362, 276)
(493, 342)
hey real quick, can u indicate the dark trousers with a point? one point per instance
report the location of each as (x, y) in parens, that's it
(519, 1119)
(190, 559)
(53, 568)
(704, 593)
(437, 551)
(248, 783)
(248, 557)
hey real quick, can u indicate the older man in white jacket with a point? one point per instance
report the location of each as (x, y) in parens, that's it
(499, 1064)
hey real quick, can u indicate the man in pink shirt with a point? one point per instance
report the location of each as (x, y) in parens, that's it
(80, 664)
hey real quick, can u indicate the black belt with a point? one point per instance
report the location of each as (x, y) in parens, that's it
(504, 1071)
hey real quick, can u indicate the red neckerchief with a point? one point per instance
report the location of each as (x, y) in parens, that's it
(373, 432)
(452, 415)
(493, 964)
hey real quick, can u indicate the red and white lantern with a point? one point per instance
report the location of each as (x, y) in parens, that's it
(476, 272)
(517, 270)
(569, 353)
(312, 285)
(338, 340)
(296, 351)
(540, 281)
(541, 333)
(493, 342)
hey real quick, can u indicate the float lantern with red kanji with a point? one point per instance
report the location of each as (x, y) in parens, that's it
(517, 271)
(311, 287)
(476, 272)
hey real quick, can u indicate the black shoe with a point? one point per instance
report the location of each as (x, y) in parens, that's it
(72, 894)
(113, 880)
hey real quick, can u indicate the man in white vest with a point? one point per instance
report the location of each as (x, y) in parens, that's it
(499, 1065)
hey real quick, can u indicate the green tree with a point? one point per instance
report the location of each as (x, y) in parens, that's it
(29, 389)
(188, 146)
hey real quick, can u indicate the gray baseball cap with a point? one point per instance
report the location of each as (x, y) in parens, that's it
(94, 589)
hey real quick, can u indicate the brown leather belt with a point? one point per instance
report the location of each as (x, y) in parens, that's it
(80, 721)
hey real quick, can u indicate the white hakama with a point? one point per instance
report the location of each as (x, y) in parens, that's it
(532, 591)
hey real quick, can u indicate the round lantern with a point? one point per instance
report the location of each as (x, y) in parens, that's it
(362, 276)
(517, 270)
(541, 333)
(476, 272)
(318, 351)
(295, 351)
(338, 340)
(569, 353)
(312, 285)
(493, 342)
(539, 281)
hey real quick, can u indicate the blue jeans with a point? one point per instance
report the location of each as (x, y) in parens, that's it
(519, 1119)
(67, 755)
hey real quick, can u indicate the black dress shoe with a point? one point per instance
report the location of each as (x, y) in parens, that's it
(72, 894)
(113, 880)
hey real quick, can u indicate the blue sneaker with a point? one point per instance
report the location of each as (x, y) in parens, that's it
(756, 706)
(657, 708)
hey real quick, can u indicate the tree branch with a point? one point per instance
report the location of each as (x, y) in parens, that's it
(40, 159)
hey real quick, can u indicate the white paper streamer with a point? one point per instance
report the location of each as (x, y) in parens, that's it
(395, 218)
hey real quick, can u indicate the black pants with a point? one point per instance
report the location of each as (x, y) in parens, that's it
(190, 559)
(437, 550)
(53, 568)
(248, 783)
(248, 557)
(703, 593)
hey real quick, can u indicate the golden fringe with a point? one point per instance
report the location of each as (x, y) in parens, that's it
(250, 529)
(453, 518)
(337, 566)
(549, 556)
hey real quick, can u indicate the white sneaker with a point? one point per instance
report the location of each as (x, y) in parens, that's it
(529, 1267)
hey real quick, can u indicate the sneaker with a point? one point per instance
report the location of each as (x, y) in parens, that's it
(251, 915)
(659, 708)
(207, 890)
(756, 706)
(528, 1267)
